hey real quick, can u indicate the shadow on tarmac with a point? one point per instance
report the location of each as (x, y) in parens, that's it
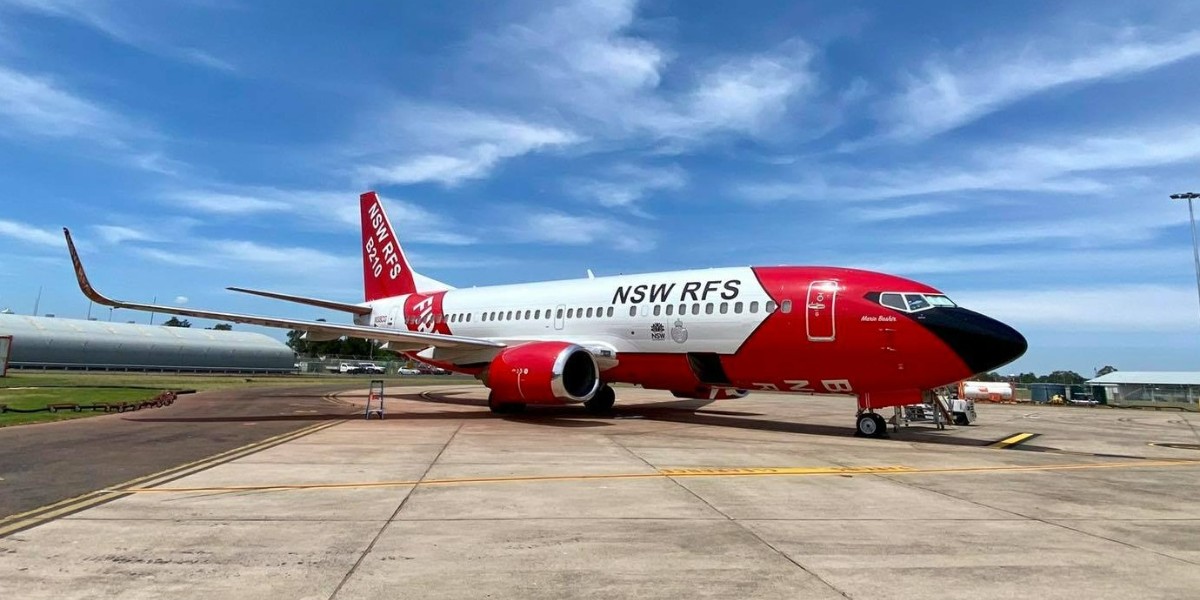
(688, 411)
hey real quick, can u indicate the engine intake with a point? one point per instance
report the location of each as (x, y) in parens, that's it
(543, 373)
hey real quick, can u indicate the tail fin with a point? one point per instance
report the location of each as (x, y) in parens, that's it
(386, 272)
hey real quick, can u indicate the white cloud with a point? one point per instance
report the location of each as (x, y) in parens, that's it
(117, 234)
(582, 59)
(1055, 259)
(42, 107)
(948, 94)
(573, 230)
(904, 211)
(243, 254)
(582, 77)
(1121, 308)
(1085, 164)
(102, 17)
(625, 184)
(28, 233)
(320, 208)
(181, 300)
(226, 204)
(451, 145)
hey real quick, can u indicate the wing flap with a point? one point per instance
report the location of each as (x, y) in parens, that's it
(399, 336)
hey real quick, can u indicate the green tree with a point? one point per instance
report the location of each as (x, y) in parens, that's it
(222, 327)
(1064, 377)
(177, 322)
(1106, 370)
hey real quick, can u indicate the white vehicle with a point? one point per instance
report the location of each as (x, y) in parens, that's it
(348, 369)
(408, 371)
(371, 368)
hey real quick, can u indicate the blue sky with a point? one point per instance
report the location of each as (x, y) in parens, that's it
(1016, 155)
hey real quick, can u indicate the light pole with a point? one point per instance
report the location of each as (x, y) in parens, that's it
(1189, 196)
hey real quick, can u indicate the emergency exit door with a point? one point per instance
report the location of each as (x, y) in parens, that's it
(819, 311)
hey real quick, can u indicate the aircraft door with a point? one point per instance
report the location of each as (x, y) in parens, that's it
(396, 317)
(558, 316)
(819, 311)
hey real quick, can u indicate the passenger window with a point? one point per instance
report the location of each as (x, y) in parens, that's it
(570, 313)
(708, 308)
(537, 314)
(560, 313)
(724, 308)
(786, 307)
(657, 310)
(526, 315)
(670, 309)
(633, 311)
(468, 317)
(683, 309)
(696, 308)
(754, 307)
(770, 307)
(737, 308)
(893, 301)
(916, 301)
(610, 311)
(509, 316)
(589, 312)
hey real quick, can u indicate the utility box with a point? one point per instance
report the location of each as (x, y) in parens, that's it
(5, 350)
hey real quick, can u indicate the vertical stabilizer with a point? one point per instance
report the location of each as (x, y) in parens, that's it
(386, 272)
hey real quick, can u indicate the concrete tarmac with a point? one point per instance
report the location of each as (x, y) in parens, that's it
(48, 462)
(764, 497)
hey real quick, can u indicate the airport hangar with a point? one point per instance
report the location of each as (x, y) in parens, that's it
(54, 343)
(1151, 389)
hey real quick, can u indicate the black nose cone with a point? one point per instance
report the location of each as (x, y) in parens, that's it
(982, 342)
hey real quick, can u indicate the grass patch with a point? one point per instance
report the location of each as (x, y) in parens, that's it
(27, 390)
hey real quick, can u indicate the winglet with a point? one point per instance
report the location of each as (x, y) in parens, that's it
(81, 276)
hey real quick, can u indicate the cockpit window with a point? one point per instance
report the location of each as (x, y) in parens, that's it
(914, 302)
(892, 301)
(937, 300)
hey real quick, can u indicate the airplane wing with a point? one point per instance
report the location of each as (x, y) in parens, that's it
(399, 338)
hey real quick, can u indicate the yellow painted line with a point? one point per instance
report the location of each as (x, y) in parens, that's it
(37, 516)
(1012, 441)
(666, 473)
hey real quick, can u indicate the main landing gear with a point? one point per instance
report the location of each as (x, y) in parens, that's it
(504, 408)
(870, 425)
(602, 402)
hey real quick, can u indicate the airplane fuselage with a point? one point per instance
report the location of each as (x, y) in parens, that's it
(788, 329)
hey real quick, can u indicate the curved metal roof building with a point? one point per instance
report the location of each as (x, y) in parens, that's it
(42, 342)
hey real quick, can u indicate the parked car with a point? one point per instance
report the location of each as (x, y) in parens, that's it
(349, 369)
(372, 368)
(408, 371)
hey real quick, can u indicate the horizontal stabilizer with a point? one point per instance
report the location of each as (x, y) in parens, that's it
(330, 304)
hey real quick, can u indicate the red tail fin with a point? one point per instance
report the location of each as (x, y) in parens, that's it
(385, 270)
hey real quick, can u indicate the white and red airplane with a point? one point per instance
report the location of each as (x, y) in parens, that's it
(711, 333)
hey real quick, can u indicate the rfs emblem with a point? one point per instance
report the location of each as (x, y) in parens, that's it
(679, 332)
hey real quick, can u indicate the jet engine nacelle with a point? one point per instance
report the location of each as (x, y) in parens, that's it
(543, 373)
(713, 393)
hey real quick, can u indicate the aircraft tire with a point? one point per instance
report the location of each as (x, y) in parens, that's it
(870, 425)
(602, 402)
(504, 408)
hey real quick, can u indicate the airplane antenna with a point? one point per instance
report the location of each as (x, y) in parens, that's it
(590, 274)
